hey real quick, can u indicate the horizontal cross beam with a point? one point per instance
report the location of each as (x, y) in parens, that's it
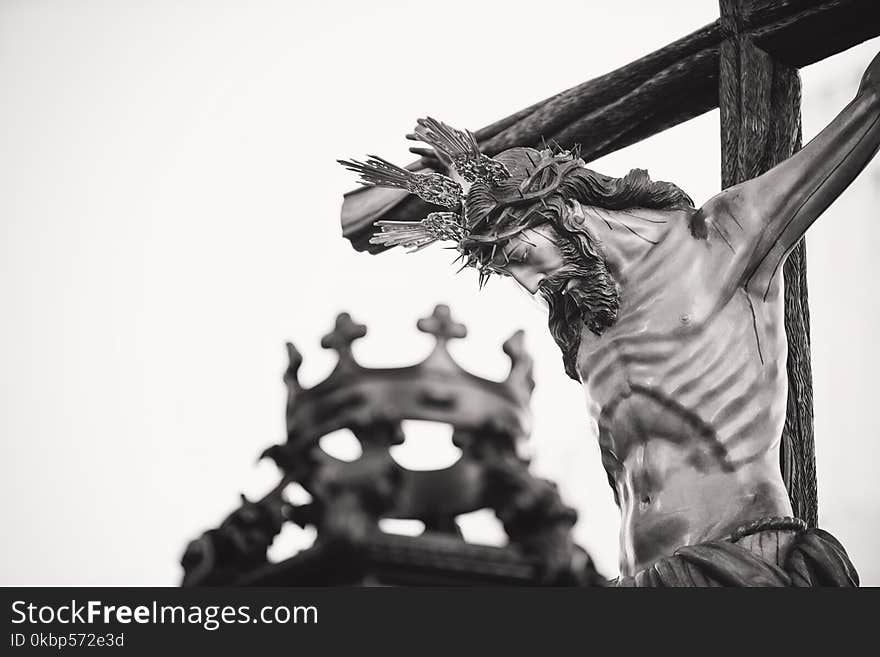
(658, 91)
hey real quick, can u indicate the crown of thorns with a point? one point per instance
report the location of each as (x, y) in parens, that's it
(497, 205)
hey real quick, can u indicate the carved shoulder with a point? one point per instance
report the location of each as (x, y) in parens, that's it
(731, 225)
(733, 208)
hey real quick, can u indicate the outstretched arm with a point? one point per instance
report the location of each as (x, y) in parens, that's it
(773, 211)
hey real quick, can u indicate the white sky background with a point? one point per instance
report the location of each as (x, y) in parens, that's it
(169, 209)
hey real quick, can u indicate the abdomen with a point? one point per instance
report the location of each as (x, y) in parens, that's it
(690, 417)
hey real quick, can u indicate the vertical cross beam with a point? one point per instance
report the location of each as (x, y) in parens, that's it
(759, 98)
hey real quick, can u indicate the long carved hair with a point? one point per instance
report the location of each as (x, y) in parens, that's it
(593, 302)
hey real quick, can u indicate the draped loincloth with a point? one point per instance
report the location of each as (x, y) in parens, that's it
(767, 552)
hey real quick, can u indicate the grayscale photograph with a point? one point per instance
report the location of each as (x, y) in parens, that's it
(412, 295)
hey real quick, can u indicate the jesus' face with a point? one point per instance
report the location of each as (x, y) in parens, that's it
(570, 275)
(531, 258)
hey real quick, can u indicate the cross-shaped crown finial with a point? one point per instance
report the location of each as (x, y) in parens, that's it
(441, 325)
(343, 334)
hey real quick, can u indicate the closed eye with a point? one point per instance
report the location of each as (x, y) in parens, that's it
(519, 256)
(497, 270)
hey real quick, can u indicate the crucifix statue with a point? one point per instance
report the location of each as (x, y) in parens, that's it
(672, 318)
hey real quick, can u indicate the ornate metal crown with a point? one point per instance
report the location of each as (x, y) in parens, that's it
(437, 389)
(489, 419)
(350, 498)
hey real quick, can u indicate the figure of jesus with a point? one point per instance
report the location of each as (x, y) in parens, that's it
(671, 316)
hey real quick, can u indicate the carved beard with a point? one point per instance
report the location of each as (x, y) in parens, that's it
(592, 302)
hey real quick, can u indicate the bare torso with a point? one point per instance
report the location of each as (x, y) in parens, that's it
(689, 392)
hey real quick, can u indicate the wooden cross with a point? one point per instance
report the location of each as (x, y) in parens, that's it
(344, 333)
(745, 63)
(441, 325)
